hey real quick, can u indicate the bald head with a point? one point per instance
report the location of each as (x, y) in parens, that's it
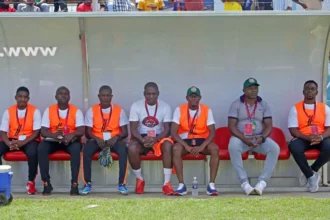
(59, 89)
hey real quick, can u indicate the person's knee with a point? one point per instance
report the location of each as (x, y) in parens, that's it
(234, 145)
(326, 144)
(75, 148)
(177, 149)
(43, 148)
(133, 148)
(275, 149)
(32, 150)
(295, 146)
(122, 149)
(213, 149)
(88, 148)
(167, 147)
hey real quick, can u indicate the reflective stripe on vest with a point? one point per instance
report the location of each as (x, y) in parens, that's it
(13, 125)
(113, 126)
(54, 121)
(319, 119)
(201, 130)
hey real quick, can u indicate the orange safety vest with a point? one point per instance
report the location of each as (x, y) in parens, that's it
(27, 127)
(319, 118)
(201, 130)
(112, 126)
(55, 122)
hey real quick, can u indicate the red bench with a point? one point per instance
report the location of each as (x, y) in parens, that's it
(278, 136)
(222, 137)
(20, 156)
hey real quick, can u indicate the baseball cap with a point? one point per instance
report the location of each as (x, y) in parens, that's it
(193, 90)
(250, 82)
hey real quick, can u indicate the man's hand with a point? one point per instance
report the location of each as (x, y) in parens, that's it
(196, 150)
(249, 142)
(259, 140)
(112, 141)
(12, 145)
(57, 136)
(148, 141)
(188, 148)
(68, 138)
(101, 143)
(316, 139)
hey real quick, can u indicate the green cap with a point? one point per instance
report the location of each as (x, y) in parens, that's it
(193, 90)
(250, 82)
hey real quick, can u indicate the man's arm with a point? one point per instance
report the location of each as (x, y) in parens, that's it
(177, 138)
(166, 132)
(268, 127)
(297, 134)
(47, 134)
(210, 138)
(232, 126)
(134, 131)
(300, 3)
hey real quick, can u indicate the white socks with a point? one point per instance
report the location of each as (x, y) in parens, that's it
(181, 185)
(212, 186)
(167, 175)
(138, 174)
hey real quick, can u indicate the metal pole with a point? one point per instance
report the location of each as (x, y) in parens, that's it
(95, 5)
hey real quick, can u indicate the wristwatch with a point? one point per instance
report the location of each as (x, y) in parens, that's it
(263, 139)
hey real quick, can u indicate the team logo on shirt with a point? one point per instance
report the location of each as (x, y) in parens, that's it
(150, 121)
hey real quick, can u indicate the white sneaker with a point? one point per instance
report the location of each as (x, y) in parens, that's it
(314, 182)
(261, 185)
(248, 189)
(303, 180)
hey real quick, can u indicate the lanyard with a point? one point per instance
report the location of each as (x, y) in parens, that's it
(105, 121)
(66, 118)
(20, 126)
(250, 115)
(145, 105)
(310, 117)
(191, 125)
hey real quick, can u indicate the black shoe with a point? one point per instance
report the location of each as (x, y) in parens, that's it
(74, 189)
(47, 189)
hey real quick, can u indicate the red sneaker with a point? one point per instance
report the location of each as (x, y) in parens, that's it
(139, 188)
(167, 189)
(31, 188)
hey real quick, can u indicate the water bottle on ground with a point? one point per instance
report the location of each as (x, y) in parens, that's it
(195, 187)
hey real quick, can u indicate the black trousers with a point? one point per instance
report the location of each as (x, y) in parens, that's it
(91, 148)
(47, 147)
(297, 148)
(31, 151)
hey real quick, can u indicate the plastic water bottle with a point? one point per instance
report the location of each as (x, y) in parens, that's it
(195, 187)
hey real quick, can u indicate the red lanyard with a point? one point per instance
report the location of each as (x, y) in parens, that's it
(310, 117)
(105, 121)
(145, 105)
(191, 125)
(20, 126)
(66, 118)
(250, 115)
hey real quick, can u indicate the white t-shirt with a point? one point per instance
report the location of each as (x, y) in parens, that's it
(89, 117)
(177, 115)
(293, 118)
(21, 114)
(138, 113)
(63, 113)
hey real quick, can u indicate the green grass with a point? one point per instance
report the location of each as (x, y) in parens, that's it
(156, 209)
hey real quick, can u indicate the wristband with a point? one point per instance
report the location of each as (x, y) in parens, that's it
(263, 139)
